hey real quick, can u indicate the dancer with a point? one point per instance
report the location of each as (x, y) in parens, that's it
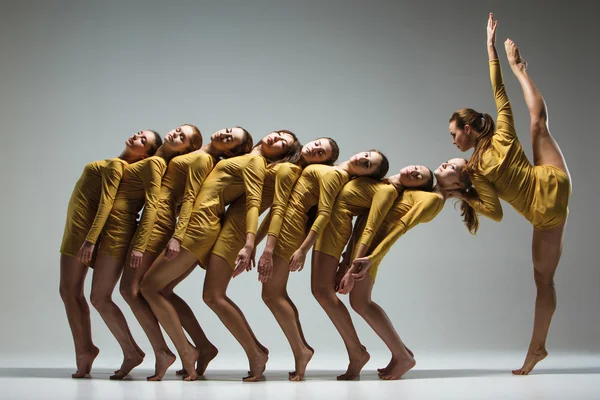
(185, 174)
(123, 239)
(279, 181)
(89, 206)
(317, 186)
(500, 169)
(229, 180)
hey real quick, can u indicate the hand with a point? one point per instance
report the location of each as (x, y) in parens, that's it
(341, 271)
(135, 259)
(244, 260)
(360, 266)
(172, 249)
(86, 252)
(491, 30)
(346, 284)
(265, 266)
(297, 260)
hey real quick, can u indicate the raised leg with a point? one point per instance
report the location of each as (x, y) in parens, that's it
(107, 271)
(159, 276)
(218, 275)
(546, 252)
(72, 278)
(360, 300)
(322, 284)
(545, 149)
(130, 290)
(275, 296)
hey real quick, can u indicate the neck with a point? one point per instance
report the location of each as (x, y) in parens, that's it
(437, 188)
(210, 150)
(257, 150)
(128, 157)
(165, 153)
(345, 166)
(395, 181)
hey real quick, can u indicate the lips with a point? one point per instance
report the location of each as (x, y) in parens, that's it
(130, 140)
(269, 141)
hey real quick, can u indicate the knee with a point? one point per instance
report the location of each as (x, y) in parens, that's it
(270, 298)
(100, 301)
(359, 305)
(543, 280)
(147, 288)
(129, 293)
(538, 125)
(67, 293)
(212, 299)
(323, 294)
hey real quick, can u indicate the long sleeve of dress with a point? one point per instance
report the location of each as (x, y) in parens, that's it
(382, 202)
(487, 203)
(329, 186)
(151, 176)
(111, 178)
(197, 172)
(505, 123)
(422, 211)
(254, 175)
(285, 178)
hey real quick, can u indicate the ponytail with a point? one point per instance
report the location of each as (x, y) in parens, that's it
(480, 122)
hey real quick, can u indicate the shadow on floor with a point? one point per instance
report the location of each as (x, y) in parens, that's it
(312, 375)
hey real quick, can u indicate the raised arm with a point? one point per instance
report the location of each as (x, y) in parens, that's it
(151, 175)
(487, 202)
(504, 121)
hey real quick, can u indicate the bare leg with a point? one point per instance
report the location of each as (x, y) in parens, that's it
(107, 271)
(218, 275)
(130, 290)
(360, 300)
(72, 278)
(275, 296)
(546, 249)
(207, 351)
(545, 149)
(159, 276)
(322, 285)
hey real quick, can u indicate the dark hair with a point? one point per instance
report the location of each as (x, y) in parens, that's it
(383, 168)
(294, 150)
(245, 146)
(467, 212)
(428, 185)
(157, 143)
(480, 122)
(335, 151)
(196, 138)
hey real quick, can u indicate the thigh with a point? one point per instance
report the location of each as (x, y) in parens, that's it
(171, 286)
(72, 274)
(107, 272)
(545, 149)
(162, 272)
(278, 281)
(218, 275)
(546, 251)
(323, 270)
(132, 277)
(361, 293)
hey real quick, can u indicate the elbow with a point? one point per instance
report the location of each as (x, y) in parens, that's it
(497, 216)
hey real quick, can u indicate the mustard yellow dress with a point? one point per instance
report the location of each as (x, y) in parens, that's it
(277, 188)
(90, 203)
(140, 187)
(230, 179)
(185, 174)
(539, 193)
(410, 209)
(356, 197)
(318, 185)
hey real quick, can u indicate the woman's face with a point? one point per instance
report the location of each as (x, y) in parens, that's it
(276, 144)
(414, 176)
(228, 139)
(449, 173)
(139, 144)
(365, 163)
(179, 139)
(461, 138)
(318, 151)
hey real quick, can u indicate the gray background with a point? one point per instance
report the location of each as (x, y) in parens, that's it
(78, 77)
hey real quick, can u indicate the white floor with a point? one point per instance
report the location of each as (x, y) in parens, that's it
(559, 377)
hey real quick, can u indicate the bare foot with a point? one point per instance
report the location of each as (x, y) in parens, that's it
(517, 64)
(129, 363)
(163, 361)
(84, 363)
(204, 358)
(530, 361)
(398, 368)
(301, 363)
(180, 372)
(257, 367)
(140, 352)
(384, 371)
(189, 363)
(357, 363)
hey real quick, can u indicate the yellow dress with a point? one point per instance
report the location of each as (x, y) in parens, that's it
(277, 188)
(318, 185)
(185, 174)
(410, 209)
(90, 203)
(356, 197)
(140, 187)
(539, 193)
(230, 179)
